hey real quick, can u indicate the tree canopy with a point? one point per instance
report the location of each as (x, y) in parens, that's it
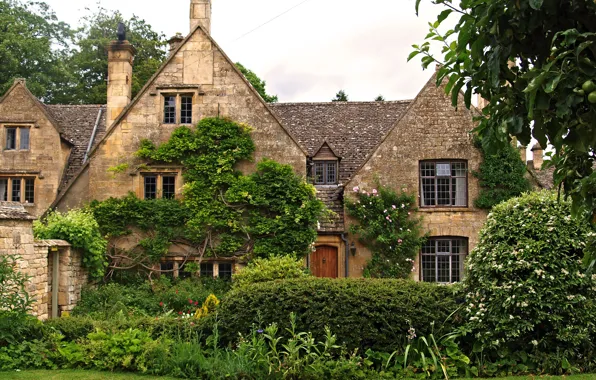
(257, 83)
(341, 96)
(534, 61)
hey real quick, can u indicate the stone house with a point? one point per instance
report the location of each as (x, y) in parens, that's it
(59, 156)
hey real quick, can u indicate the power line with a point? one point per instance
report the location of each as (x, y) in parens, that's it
(274, 18)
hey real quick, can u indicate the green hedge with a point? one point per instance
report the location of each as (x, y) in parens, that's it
(364, 313)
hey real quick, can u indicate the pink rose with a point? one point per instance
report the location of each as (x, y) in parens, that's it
(374, 191)
(393, 206)
(399, 241)
(356, 189)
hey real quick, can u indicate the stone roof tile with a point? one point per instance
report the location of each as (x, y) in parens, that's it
(14, 211)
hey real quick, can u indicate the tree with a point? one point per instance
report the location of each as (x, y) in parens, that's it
(89, 61)
(534, 61)
(257, 83)
(341, 96)
(33, 44)
(380, 98)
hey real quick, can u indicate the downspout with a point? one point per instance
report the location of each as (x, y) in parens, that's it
(93, 134)
(347, 253)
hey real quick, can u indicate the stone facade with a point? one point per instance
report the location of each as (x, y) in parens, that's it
(430, 129)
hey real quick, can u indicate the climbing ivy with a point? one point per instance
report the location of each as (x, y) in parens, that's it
(222, 212)
(387, 227)
(501, 175)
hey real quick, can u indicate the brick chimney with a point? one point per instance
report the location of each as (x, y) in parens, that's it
(174, 42)
(200, 13)
(537, 152)
(120, 58)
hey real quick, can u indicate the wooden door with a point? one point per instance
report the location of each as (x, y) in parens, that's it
(323, 262)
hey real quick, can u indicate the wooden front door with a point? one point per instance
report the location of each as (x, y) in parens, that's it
(323, 262)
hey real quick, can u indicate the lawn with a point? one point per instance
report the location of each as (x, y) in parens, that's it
(74, 375)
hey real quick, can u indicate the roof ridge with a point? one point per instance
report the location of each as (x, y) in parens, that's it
(75, 105)
(342, 103)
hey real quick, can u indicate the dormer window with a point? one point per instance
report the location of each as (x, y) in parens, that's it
(325, 166)
(173, 103)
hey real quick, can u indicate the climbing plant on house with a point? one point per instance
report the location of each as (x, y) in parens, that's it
(387, 227)
(223, 212)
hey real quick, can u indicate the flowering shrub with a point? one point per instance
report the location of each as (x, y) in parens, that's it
(525, 288)
(209, 306)
(273, 268)
(386, 226)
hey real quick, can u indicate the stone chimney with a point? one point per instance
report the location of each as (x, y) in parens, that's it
(537, 152)
(200, 13)
(120, 58)
(174, 42)
(481, 102)
(523, 153)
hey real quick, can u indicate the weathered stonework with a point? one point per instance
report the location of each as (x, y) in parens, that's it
(430, 129)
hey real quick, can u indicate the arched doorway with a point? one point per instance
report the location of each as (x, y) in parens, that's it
(323, 261)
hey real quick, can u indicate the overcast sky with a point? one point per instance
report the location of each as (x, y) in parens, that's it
(307, 54)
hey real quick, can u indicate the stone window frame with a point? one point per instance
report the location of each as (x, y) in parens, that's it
(436, 197)
(326, 164)
(178, 94)
(24, 182)
(459, 250)
(214, 267)
(160, 174)
(19, 127)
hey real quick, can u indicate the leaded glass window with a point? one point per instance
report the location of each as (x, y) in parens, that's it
(443, 184)
(442, 259)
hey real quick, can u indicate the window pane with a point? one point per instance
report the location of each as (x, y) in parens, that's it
(167, 268)
(186, 110)
(443, 191)
(182, 273)
(444, 170)
(168, 187)
(30, 190)
(16, 189)
(427, 169)
(24, 144)
(331, 172)
(428, 191)
(319, 173)
(4, 189)
(443, 268)
(428, 268)
(150, 187)
(459, 169)
(460, 191)
(169, 110)
(206, 269)
(11, 138)
(225, 270)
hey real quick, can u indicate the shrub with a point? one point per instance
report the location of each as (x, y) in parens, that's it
(526, 289)
(13, 286)
(80, 229)
(363, 313)
(273, 268)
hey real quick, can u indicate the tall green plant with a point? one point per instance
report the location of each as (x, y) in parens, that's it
(387, 227)
(13, 286)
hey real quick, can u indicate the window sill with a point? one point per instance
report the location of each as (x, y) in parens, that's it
(446, 209)
(28, 204)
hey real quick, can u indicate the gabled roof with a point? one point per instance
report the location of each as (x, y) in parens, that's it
(352, 129)
(77, 123)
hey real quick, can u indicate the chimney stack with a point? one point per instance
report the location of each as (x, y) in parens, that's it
(174, 42)
(120, 58)
(200, 13)
(537, 152)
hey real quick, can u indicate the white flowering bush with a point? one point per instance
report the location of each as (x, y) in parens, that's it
(526, 289)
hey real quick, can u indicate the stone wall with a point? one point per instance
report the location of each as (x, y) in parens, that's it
(72, 276)
(431, 129)
(46, 157)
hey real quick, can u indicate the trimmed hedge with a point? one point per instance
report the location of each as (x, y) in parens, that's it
(363, 313)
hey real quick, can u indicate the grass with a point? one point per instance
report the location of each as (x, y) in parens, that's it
(75, 375)
(544, 377)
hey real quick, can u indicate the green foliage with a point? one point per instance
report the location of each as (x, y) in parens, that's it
(270, 212)
(144, 299)
(33, 44)
(80, 229)
(526, 290)
(362, 312)
(386, 227)
(341, 96)
(257, 83)
(89, 62)
(272, 268)
(544, 95)
(13, 286)
(380, 98)
(501, 175)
